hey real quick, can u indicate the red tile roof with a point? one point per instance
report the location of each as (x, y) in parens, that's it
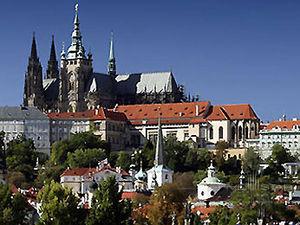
(72, 115)
(87, 171)
(186, 112)
(78, 171)
(97, 114)
(170, 113)
(204, 211)
(232, 112)
(283, 124)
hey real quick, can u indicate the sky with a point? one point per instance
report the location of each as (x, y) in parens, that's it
(227, 52)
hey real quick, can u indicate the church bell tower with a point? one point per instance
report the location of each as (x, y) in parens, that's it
(76, 69)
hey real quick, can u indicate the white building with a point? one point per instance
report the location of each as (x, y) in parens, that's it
(283, 132)
(81, 180)
(27, 121)
(200, 122)
(159, 174)
(210, 185)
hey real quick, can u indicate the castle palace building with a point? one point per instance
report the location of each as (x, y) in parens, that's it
(73, 85)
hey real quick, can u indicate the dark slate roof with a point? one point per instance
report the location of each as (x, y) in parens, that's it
(51, 88)
(145, 82)
(100, 82)
(21, 113)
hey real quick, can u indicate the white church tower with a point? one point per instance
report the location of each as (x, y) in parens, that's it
(159, 174)
(210, 185)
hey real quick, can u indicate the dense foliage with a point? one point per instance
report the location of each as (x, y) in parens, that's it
(14, 209)
(59, 206)
(107, 207)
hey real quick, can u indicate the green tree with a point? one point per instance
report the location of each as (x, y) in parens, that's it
(123, 160)
(21, 157)
(48, 173)
(175, 154)
(197, 159)
(59, 206)
(251, 161)
(199, 176)
(86, 140)
(221, 151)
(220, 216)
(14, 209)
(85, 157)
(281, 155)
(107, 207)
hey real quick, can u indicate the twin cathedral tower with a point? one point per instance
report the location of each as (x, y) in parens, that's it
(73, 86)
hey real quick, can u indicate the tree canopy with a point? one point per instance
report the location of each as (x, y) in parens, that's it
(107, 207)
(14, 209)
(59, 206)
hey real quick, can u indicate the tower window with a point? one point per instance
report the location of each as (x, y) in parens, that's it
(221, 133)
(211, 133)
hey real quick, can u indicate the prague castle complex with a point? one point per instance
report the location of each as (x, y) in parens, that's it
(73, 85)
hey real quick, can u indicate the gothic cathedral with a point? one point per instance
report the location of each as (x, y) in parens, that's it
(74, 86)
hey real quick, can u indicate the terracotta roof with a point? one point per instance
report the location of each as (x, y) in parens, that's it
(72, 115)
(186, 112)
(205, 211)
(86, 171)
(283, 124)
(97, 114)
(77, 171)
(232, 112)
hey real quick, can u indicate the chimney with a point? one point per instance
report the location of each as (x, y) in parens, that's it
(295, 119)
(197, 110)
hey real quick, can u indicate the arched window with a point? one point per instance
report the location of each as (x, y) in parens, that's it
(221, 133)
(233, 133)
(240, 132)
(211, 133)
(246, 132)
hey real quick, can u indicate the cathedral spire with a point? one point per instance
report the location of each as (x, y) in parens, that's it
(159, 159)
(33, 87)
(112, 68)
(52, 51)
(76, 50)
(52, 70)
(33, 54)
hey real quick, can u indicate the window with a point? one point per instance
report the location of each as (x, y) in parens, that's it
(212, 193)
(240, 133)
(202, 193)
(233, 133)
(211, 133)
(186, 135)
(221, 133)
(166, 177)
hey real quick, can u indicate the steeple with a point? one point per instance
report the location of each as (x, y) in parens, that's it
(33, 87)
(52, 70)
(76, 50)
(33, 54)
(159, 160)
(112, 68)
